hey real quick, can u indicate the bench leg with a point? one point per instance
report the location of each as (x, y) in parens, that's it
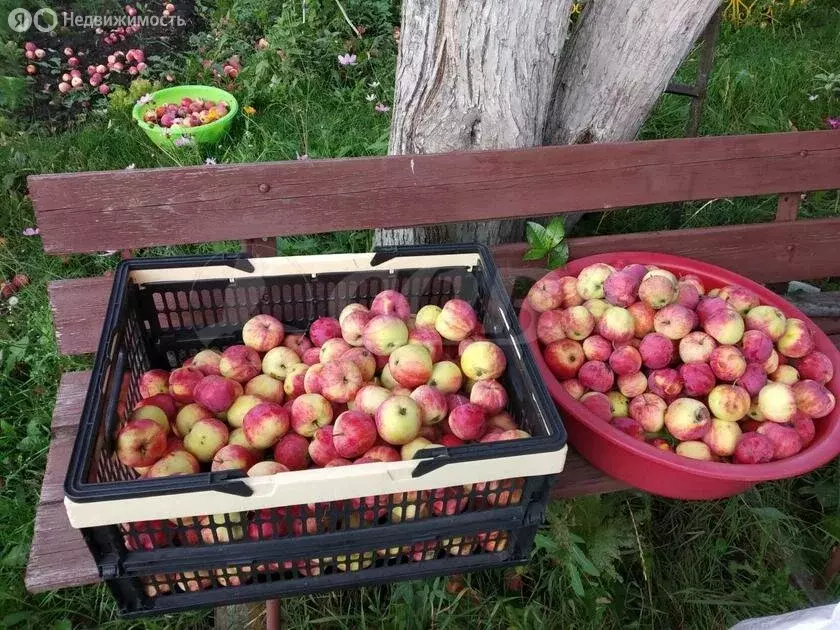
(272, 614)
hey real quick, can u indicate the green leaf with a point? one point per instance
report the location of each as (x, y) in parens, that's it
(769, 514)
(558, 256)
(537, 235)
(584, 562)
(574, 578)
(534, 253)
(556, 229)
(15, 618)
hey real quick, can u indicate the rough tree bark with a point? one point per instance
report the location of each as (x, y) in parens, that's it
(493, 74)
(473, 75)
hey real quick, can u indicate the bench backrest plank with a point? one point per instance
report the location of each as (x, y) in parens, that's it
(85, 212)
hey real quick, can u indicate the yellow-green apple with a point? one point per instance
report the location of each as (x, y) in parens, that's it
(429, 338)
(796, 342)
(265, 424)
(625, 360)
(427, 316)
(631, 385)
(293, 384)
(351, 308)
(410, 365)
(687, 294)
(727, 363)
(577, 323)
(468, 422)
(456, 320)
(153, 382)
(340, 380)
(725, 325)
(753, 448)
(657, 350)
(207, 361)
(694, 449)
(398, 420)
(756, 346)
(410, 450)
(813, 399)
(240, 363)
(233, 457)
(591, 279)
(324, 328)
(266, 468)
(387, 379)
(140, 443)
(263, 332)
(785, 439)
(446, 376)
(569, 292)
(777, 402)
(616, 325)
(333, 349)
(489, 395)
(753, 379)
(621, 288)
(182, 382)
(311, 356)
(153, 413)
(217, 393)
(722, 437)
(177, 462)
(729, 402)
(546, 294)
(513, 434)
(432, 403)
(741, 299)
(390, 302)
(687, 419)
(598, 404)
(265, 387)
(240, 407)
(596, 375)
(784, 374)
(696, 347)
(674, 321)
(768, 319)
(188, 415)
(369, 397)
(628, 426)
(484, 360)
(165, 402)
(642, 318)
(237, 436)
(277, 362)
(298, 343)
(771, 364)
(205, 438)
(649, 411)
(815, 366)
(384, 334)
(353, 327)
(292, 451)
(619, 405)
(321, 448)
(595, 348)
(597, 308)
(657, 291)
(354, 433)
(665, 383)
(804, 427)
(309, 412)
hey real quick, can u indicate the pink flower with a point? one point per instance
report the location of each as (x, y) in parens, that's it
(833, 123)
(382, 108)
(347, 60)
(31, 231)
(182, 141)
(146, 98)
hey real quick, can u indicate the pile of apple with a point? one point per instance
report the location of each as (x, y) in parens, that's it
(374, 385)
(713, 375)
(190, 113)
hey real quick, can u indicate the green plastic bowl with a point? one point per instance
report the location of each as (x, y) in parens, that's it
(209, 134)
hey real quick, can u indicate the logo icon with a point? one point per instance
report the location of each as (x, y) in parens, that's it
(45, 20)
(20, 20)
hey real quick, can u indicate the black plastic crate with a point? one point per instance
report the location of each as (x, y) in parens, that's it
(159, 323)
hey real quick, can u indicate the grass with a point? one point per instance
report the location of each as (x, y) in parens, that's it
(622, 560)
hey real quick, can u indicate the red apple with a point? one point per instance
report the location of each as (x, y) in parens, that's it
(432, 403)
(322, 448)
(217, 393)
(657, 351)
(324, 328)
(753, 448)
(625, 360)
(687, 419)
(140, 443)
(265, 424)
(698, 378)
(153, 382)
(240, 363)
(182, 382)
(550, 327)
(263, 332)
(815, 366)
(340, 380)
(468, 422)
(564, 358)
(354, 433)
(598, 404)
(207, 361)
(649, 411)
(727, 363)
(595, 375)
(233, 457)
(292, 451)
(665, 383)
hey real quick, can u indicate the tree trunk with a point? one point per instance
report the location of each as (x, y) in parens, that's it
(471, 76)
(617, 64)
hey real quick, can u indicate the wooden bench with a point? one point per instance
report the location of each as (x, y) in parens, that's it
(130, 209)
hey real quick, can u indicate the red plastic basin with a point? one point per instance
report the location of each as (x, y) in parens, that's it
(664, 473)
